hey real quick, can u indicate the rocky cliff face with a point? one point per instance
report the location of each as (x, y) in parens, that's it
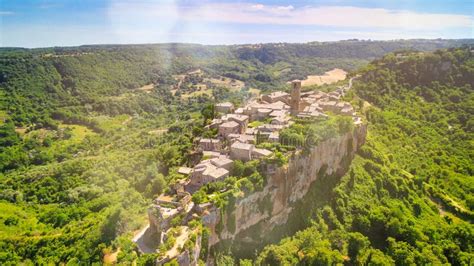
(287, 185)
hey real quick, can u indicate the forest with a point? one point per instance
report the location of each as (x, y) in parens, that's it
(407, 198)
(84, 150)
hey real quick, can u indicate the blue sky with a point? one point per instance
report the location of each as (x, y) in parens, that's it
(28, 23)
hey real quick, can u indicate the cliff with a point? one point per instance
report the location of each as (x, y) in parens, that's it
(285, 186)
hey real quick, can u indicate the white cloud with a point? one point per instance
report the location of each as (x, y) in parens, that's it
(254, 13)
(213, 23)
(339, 16)
(290, 7)
(209, 23)
(258, 6)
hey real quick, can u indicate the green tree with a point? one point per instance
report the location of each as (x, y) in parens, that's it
(208, 112)
(356, 244)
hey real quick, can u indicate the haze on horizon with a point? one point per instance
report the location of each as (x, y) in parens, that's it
(34, 23)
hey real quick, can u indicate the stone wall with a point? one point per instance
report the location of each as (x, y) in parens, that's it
(272, 206)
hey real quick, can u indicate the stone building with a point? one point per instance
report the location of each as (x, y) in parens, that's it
(246, 152)
(275, 97)
(328, 106)
(241, 151)
(225, 107)
(244, 138)
(210, 144)
(260, 153)
(228, 128)
(242, 120)
(263, 113)
(206, 171)
(223, 162)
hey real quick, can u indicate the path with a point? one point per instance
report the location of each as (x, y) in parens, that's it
(350, 81)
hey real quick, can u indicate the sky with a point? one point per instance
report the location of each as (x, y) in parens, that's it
(45, 23)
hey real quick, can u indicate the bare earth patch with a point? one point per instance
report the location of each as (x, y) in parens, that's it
(147, 88)
(20, 130)
(111, 258)
(329, 77)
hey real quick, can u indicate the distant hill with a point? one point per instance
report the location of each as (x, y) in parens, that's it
(35, 81)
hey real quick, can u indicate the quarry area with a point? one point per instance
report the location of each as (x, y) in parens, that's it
(176, 220)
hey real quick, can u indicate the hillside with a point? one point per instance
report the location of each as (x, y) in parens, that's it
(76, 79)
(84, 148)
(407, 198)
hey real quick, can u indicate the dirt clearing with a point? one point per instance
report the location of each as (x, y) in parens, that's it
(147, 88)
(329, 77)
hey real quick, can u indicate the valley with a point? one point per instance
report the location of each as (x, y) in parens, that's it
(368, 160)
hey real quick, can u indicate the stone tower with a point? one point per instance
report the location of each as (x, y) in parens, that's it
(295, 97)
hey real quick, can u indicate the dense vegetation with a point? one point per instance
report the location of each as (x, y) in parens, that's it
(83, 152)
(407, 198)
(39, 83)
(83, 149)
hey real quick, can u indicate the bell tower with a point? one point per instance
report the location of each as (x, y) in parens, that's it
(295, 97)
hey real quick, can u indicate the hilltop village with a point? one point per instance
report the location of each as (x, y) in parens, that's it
(236, 140)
